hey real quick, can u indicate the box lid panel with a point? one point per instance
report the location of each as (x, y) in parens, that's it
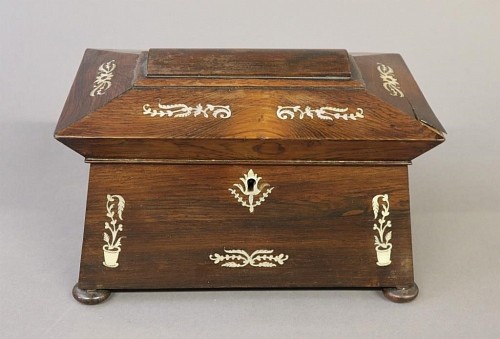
(248, 63)
(115, 108)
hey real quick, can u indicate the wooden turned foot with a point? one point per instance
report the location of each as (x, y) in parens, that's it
(401, 294)
(90, 297)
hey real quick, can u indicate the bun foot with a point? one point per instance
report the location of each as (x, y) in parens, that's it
(401, 294)
(90, 297)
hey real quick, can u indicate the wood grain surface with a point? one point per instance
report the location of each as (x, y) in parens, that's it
(115, 126)
(250, 63)
(176, 216)
(413, 103)
(153, 138)
(253, 128)
(79, 102)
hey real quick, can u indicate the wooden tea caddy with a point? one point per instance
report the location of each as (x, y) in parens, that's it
(246, 169)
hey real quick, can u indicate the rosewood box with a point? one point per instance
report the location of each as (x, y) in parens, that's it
(246, 169)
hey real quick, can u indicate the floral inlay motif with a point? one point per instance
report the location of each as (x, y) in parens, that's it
(390, 82)
(183, 111)
(103, 78)
(240, 258)
(382, 239)
(323, 113)
(251, 188)
(115, 205)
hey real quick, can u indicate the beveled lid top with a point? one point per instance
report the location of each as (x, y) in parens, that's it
(249, 63)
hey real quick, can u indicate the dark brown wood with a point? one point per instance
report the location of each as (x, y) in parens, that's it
(173, 132)
(253, 131)
(176, 216)
(143, 80)
(104, 126)
(413, 103)
(79, 102)
(249, 63)
(243, 149)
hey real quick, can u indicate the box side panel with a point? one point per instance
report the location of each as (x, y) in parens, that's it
(185, 226)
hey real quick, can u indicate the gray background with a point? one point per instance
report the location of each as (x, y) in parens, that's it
(452, 49)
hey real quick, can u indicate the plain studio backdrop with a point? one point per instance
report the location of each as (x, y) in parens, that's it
(452, 49)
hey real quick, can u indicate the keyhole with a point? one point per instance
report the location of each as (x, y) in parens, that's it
(250, 184)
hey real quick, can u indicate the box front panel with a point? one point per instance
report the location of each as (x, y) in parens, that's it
(228, 226)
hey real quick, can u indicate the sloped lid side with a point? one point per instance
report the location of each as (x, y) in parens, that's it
(102, 76)
(387, 77)
(249, 123)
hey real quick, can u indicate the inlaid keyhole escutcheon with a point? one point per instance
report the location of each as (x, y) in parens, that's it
(251, 192)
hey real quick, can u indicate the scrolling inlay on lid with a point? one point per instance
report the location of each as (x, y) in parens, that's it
(323, 113)
(182, 111)
(103, 78)
(390, 82)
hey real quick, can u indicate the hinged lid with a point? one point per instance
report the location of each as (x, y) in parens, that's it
(241, 105)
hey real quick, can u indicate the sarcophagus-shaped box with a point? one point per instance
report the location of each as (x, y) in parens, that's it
(246, 169)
